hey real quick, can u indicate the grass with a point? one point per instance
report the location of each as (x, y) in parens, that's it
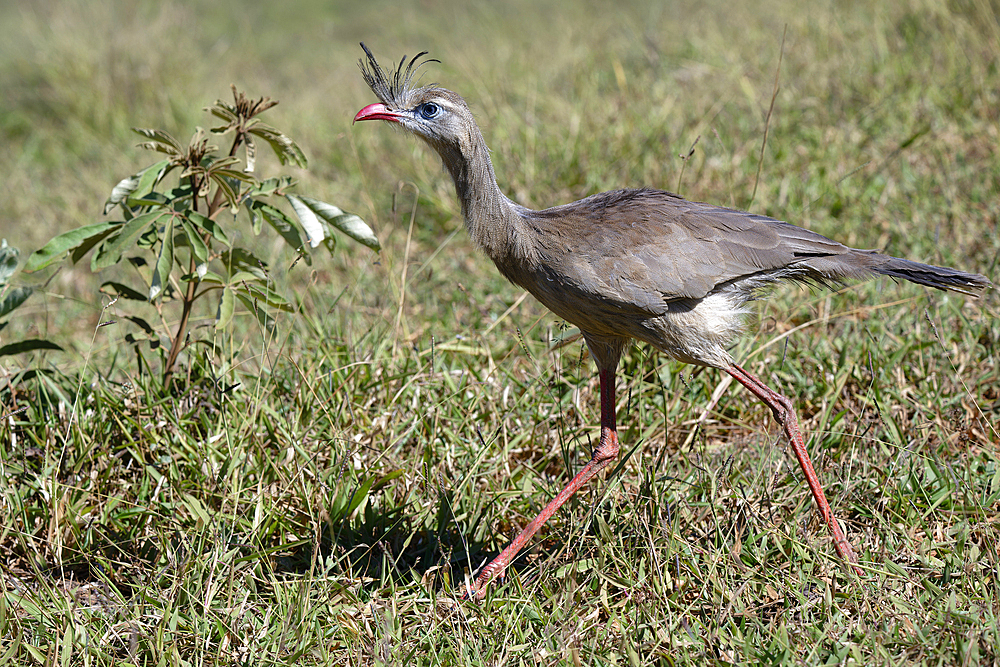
(394, 434)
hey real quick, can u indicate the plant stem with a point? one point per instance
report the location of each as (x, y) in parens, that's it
(188, 301)
(175, 346)
(192, 286)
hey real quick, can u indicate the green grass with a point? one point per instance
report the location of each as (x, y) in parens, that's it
(395, 434)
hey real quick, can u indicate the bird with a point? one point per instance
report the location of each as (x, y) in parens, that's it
(634, 264)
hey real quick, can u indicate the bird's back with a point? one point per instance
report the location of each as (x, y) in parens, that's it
(644, 263)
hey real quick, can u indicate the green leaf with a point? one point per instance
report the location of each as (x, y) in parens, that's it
(197, 510)
(256, 218)
(111, 251)
(282, 224)
(267, 295)
(141, 323)
(149, 238)
(224, 111)
(227, 306)
(244, 276)
(164, 262)
(361, 495)
(148, 199)
(231, 194)
(270, 186)
(194, 240)
(14, 298)
(357, 229)
(180, 193)
(235, 175)
(29, 345)
(148, 178)
(159, 141)
(286, 149)
(209, 226)
(138, 184)
(348, 223)
(81, 250)
(310, 221)
(343, 507)
(239, 259)
(213, 278)
(124, 291)
(385, 479)
(223, 163)
(57, 248)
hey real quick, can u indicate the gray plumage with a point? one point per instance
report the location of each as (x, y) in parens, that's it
(643, 264)
(633, 263)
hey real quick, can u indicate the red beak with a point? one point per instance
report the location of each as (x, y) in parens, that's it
(377, 111)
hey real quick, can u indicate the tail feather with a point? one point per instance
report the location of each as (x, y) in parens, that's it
(939, 277)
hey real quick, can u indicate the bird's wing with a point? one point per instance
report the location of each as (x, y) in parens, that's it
(645, 248)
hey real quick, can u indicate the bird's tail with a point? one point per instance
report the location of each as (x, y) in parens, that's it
(939, 277)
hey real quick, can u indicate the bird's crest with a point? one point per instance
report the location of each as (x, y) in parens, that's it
(392, 87)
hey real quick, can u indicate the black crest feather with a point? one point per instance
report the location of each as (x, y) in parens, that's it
(392, 87)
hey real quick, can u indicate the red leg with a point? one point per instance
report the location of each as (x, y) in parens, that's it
(606, 452)
(784, 414)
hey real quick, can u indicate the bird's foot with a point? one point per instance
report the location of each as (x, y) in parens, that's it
(846, 551)
(477, 589)
(495, 569)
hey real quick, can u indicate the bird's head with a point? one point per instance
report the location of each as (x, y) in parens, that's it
(439, 116)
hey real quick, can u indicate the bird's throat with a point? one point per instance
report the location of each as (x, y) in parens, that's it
(491, 218)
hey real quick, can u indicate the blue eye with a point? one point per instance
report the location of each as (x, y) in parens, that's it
(429, 110)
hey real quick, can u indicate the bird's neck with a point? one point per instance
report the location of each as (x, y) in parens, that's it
(493, 221)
